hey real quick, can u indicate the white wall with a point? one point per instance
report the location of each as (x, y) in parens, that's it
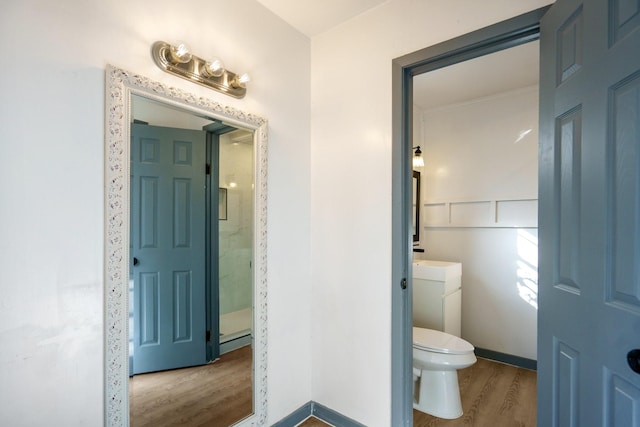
(351, 190)
(52, 189)
(479, 194)
(499, 284)
(483, 149)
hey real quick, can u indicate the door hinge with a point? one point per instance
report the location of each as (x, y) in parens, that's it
(208, 336)
(207, 169)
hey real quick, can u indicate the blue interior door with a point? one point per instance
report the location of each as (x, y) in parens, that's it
(589, 318)
(168, 247)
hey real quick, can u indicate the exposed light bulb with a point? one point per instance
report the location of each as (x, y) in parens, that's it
(214, 68)
(239, 81)
(418, 162)
(180, 53)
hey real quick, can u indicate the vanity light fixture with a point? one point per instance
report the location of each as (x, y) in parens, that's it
(418, 161)
(178, 60)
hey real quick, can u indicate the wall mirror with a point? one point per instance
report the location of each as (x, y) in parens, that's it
(217, 300)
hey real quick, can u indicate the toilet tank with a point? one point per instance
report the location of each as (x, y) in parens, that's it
(437, 296)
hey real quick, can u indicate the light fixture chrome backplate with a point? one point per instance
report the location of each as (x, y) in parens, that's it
(194, 70)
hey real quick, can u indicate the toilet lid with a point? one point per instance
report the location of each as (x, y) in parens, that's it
(439, 342)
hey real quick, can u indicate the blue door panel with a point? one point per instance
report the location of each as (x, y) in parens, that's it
(168, 243)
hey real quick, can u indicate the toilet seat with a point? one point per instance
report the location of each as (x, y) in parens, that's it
(439, 342)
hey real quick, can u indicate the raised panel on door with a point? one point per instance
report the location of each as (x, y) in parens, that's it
(148, 309)
(569, 190)
(147, 221)
(182, 306)
(566, 391)
(624, 18)
(181, 223)
(623, 288)
(168, 233)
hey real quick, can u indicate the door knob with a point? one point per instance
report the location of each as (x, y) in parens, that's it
(135, 261)
(633, 358)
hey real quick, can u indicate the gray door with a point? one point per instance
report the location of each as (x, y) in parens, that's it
(589, 295)
(168, 247)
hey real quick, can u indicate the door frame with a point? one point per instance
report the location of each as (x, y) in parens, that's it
(503, 35)
(212, 230)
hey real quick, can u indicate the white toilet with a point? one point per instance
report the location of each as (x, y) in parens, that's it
(437, 356)
(438, 352)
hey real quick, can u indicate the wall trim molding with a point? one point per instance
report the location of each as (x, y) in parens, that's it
(489, 213)
(509, 359)
(314, 409)
(296, 417)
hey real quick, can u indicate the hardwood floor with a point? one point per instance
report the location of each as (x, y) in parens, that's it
(217, 395)
(493, 395)
(313, 422)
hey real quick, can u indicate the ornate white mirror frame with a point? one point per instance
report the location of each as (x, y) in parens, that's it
(120, 85)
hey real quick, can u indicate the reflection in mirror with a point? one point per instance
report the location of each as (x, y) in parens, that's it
(187, 321)
(178, 162)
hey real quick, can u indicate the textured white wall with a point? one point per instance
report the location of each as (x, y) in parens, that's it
(351, 190)
(52, 189)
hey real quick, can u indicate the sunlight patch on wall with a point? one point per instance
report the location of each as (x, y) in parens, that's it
(527, 267)
(522, 134)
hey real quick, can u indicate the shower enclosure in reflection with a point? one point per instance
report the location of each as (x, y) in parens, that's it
(235, 239)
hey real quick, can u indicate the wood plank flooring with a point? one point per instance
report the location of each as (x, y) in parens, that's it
(493, 395)
(216, 395)
(313, 422)
(219, 394)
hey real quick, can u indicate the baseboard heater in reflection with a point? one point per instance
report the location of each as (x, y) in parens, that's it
(235, 343)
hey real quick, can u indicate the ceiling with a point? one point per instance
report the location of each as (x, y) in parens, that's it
(502, 71)
(312, 17)
(480, 77)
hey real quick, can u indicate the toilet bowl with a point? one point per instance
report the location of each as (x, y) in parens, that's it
(437, 356)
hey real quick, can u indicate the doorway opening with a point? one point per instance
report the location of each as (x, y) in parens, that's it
(477, 124)
(514, 32)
